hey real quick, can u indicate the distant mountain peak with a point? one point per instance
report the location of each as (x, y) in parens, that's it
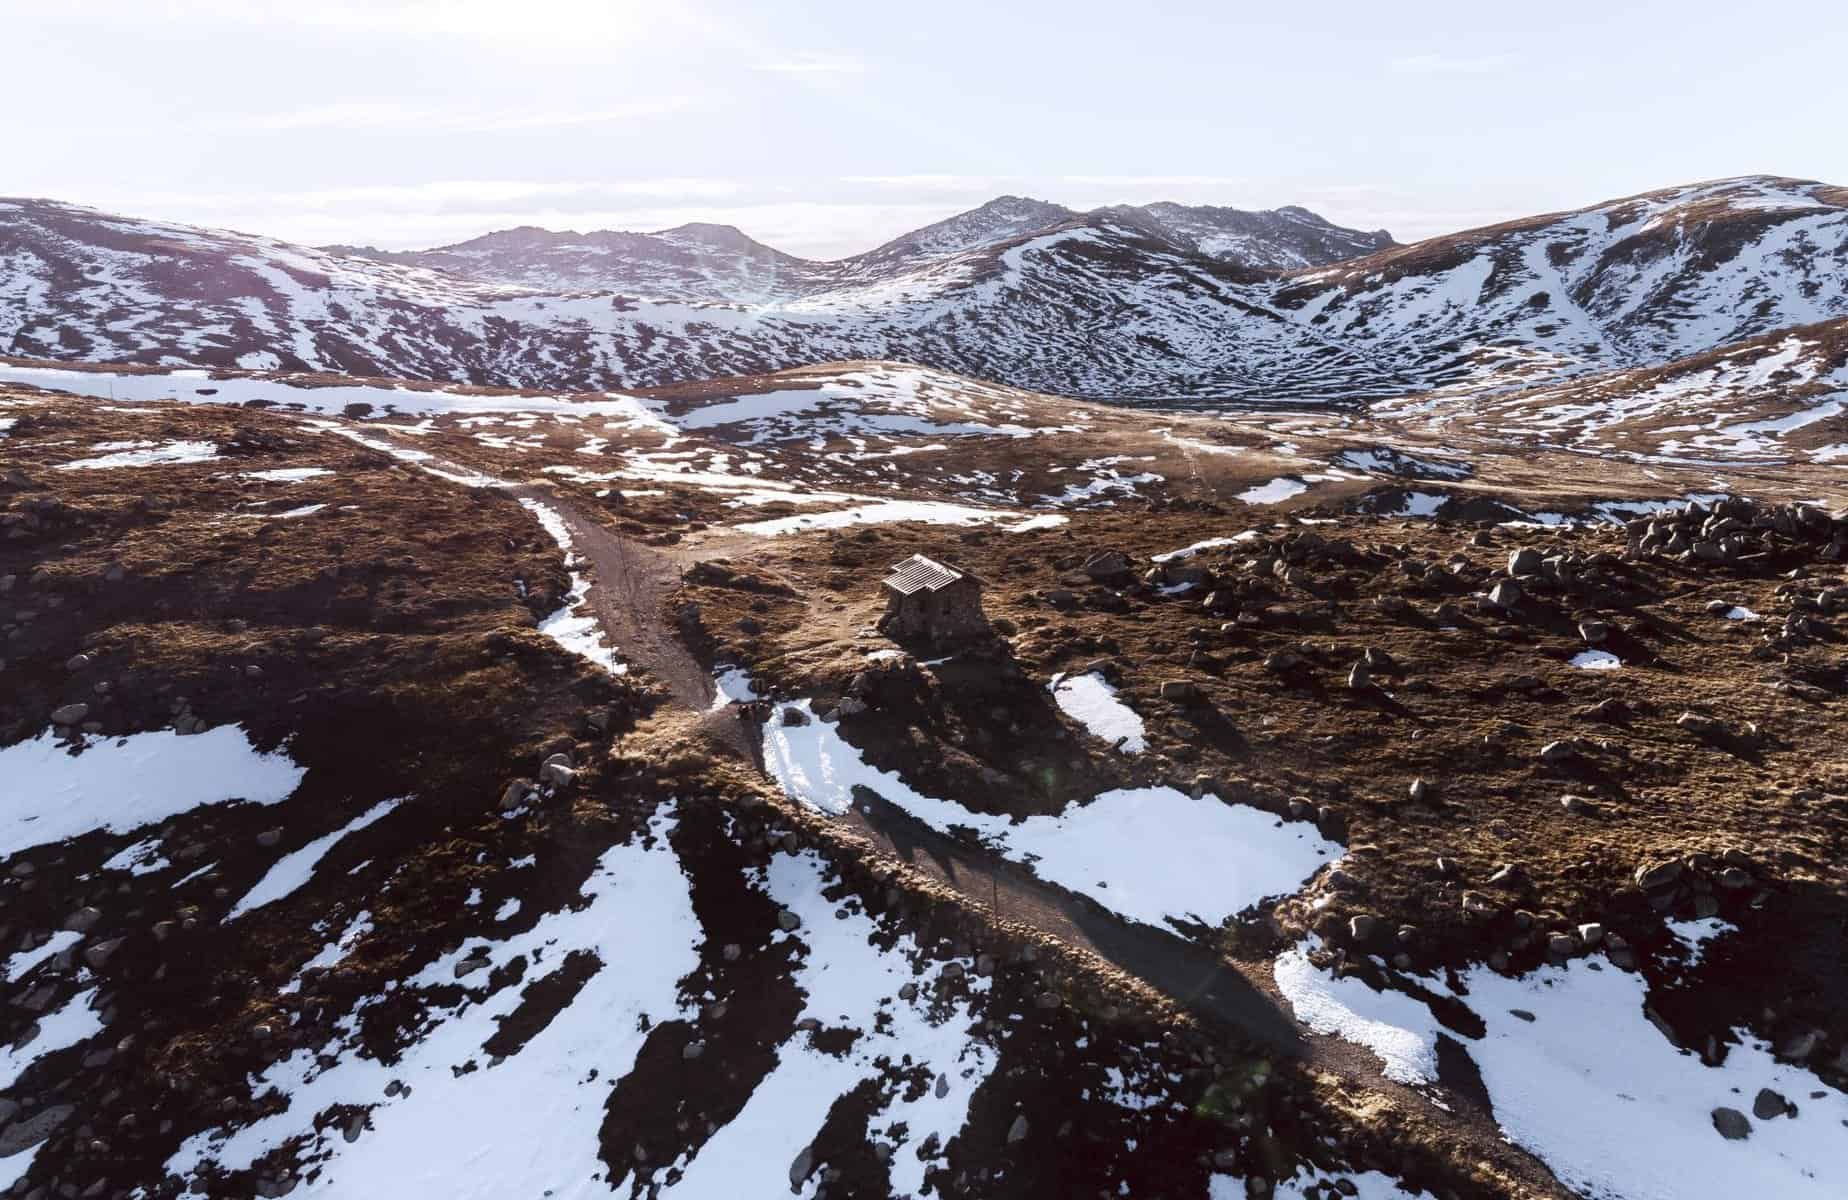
(708, 231)
(999, 220)
(712, 262)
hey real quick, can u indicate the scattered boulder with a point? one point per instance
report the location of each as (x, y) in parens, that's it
(1479, 907)
(99, 954)
(1660, 875)
(477, 960)
(1108, 566)
(515, 794)
(1800, 1045)
(1180, 691)
(1731, 1124)
(1769, 1105)
(84, 919)
(1611, 711)
(32, 1130)
(557, 770)
(801, 1168)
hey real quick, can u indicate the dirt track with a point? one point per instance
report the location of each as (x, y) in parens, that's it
(629, 596)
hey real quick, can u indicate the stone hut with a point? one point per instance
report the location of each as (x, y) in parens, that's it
(927, 601)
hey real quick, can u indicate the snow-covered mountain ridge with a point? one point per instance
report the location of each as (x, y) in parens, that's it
(719, 263)
(1130, 305)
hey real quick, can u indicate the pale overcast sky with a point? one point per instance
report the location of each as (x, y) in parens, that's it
(824, 128)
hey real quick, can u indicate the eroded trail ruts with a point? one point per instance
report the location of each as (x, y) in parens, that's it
(629, 587)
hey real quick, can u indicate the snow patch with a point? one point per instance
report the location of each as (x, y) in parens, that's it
(1275, 492)
(930, 512)
(145, 454)
(292, 870)
(1583, 1080)
(635, 919)
(1154, 855)
(1090, 700)
(126, 783)
(1250, 535)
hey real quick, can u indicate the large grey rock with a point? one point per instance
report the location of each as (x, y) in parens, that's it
(1769, 1105)
(1479, 906)
(98, 956)
(1660, 875)
(802, 1167)
(84, 919)
(1731, 1124)
(69, 714)
(1557, 752)
(1525, 561)
(1017, 1132)
(21, 1135)
(1108, 565)
(557, 771)
(1798, 1046)
(1179, 691)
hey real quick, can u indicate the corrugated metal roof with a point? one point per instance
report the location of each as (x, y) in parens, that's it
(920, 574)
